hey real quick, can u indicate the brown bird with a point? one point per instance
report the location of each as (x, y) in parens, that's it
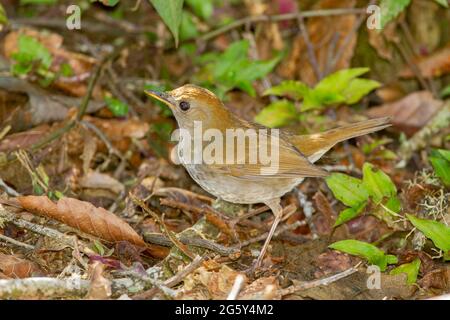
(242, 181)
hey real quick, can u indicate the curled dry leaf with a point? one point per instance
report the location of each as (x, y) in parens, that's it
(411, 113)
(266, 288)
(15, 267)
(83, 216)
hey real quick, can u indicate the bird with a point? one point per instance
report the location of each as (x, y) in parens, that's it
(244, 182)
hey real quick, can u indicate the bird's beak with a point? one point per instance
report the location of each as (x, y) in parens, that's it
(161, 96)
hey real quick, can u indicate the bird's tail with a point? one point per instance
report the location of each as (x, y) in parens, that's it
(313, 146)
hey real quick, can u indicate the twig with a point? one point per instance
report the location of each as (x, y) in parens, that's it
(40, 287)
(169, 233)
(276, 18)
(8, 189)
(310, 47)
(173, 281)
(16, 243)
(320, 282)
(237, 285)
(160, 239)
(83, 105)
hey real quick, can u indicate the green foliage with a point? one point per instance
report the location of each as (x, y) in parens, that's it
(202, 8)
(3, 17)
(411, 269)
(377, 183)
(355, 193)
(117, 107)
(365, 250)
(343, 86)
(188, 29)
(32, 56)
(440, 160)
(438, 232)
(443, 3)
(390, 9)
(445, 92)
(170, 12)
(233, 69)
(349, 190)
(277, 114)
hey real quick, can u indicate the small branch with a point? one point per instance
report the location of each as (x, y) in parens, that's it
(16, 243)
(316, 283)
(160, 239)
(237, 286)
(8, 189)
(40, 287)
(276, 18)
(310, 47)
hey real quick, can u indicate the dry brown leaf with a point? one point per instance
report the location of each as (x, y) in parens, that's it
(98, 180)
(382, 41)
(100, 287)
(411, 113)
(80, 64)
(322, 32)
(23, 140)
(83, 216)
(15, 267)
(266, 288)
(432, 66)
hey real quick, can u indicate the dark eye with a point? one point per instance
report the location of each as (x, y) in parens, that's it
(184, 105)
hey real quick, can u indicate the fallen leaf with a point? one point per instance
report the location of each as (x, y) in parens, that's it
(322, 32)
(85, 217)
(100, 287)
(433, 66)
(411, 113)
(265, 288)
(98, 180)
(14, 267)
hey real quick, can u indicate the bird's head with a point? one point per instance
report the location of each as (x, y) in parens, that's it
(191, 103)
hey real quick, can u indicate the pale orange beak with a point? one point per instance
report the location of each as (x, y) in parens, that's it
(161, 96)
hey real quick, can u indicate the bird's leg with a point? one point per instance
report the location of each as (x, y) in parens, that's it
(277, 210)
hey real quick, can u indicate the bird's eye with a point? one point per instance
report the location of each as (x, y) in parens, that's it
(184, 105)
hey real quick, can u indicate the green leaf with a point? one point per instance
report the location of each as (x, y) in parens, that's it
(202, 8)
(358, 88)
(445, 92)
(349, 190)
(117, 107)
(277, 114)
(171, 12)
(443, 3)
(438, 232)
(394, 204)
(188, 29)
(29, 52)
(390, 9)
(367, 148)
(440, 160)
(291, 88)
(365, 250)
(340, 80)
(377, 183)
(348, 214)
(411, 269)
(3, 17)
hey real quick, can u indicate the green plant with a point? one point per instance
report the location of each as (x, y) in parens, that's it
(222, 72)
(365, 250)
(32, 56)
(438, 232)
(440, 160)
(117, 107)
(343, 86)
(411, 269)
(355, 193)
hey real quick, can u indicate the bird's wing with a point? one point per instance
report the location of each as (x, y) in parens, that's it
(290, 163)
